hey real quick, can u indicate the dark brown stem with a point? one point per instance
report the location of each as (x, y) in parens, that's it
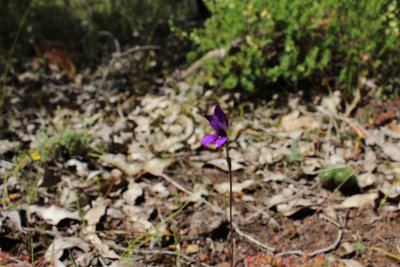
(229, 161)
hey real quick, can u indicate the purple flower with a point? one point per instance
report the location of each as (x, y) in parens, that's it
(219, 122)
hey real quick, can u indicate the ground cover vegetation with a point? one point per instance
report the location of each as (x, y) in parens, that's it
(108, 156)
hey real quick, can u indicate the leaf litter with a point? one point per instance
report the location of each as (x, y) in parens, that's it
(125, 167)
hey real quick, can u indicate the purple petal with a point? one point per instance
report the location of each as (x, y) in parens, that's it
(209, 139)
(220, 141)
(213, 121)
(221, 117)
(218, 120)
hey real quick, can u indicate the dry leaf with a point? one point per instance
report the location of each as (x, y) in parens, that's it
(59, 244)
(81, 167)
(134, 191)
(278, 198)
(358, 201)
(392, 151)
(119, 161)
(139, 217)
(310, 165)
(290, 208)
(92, 217)
(192, 248)
(160, 190)
(366, 179)
(293, 122)
(6, 146)
(394, 130)
(391, 190)
(156, 166)
(223, 165)
(223, 188)
(53, 214)
(369, 164)
(14, 217)
(68, 197)
(199, 190)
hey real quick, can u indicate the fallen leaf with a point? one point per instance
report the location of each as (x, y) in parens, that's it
(223, 165)
(6, 146)
(160, 190)
(391, 190)
(366, 179)
(156, 166)
(391, 150)
(293, 206)
(68, 197)
(278, 198)
(14, 217)
(199, 190)
(59, 244)
(358, 201)
(53, 214)
(223, 188)
(119, 161)
(81, 167)
(293, 122)
(394, 129)
(192, 248)
(134, 191)
(92, 217)
(139, 217)
(369, 164)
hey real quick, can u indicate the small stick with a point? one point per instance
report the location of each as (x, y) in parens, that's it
(229, 161)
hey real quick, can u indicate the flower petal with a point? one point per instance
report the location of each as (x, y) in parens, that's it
(209, 139)
(213, 120)
(220, 141)
(218, 120)
(221, 117)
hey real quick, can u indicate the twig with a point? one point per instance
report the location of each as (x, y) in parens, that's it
(330, 247)
(252, 239)
(318, 251)
(115, 40)
(322, 250)
(350, 107)
(217, 54)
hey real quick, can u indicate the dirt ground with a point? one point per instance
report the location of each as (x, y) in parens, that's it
(94, 175)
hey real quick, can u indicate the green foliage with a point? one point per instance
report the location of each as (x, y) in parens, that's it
(294, 155)
(338, 178)
(299, 40)
(68, 142)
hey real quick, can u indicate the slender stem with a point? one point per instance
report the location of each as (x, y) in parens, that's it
(229, 161)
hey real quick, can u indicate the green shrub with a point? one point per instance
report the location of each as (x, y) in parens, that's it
(68, 142)
(292, 41)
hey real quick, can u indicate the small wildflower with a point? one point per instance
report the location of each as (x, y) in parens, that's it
(219, 122)
(35, 156)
